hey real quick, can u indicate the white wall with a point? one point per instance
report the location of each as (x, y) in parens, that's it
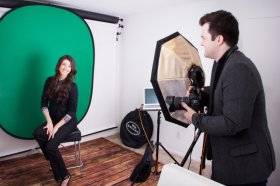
(259, 38)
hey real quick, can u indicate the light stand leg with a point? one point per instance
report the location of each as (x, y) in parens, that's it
(190, 148)
(159, 144)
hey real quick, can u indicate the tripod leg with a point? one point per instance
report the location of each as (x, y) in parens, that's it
(203, 154)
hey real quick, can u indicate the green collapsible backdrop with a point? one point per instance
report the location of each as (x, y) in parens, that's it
(32, 39)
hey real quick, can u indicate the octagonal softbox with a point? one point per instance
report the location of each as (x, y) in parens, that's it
(174, 56)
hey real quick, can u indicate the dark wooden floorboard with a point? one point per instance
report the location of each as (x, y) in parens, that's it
(105, 163)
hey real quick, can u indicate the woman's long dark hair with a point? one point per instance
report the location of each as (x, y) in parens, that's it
(61, 88)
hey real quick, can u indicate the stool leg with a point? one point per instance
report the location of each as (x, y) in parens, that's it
(81, 163)
(78, 158)
(76, 153)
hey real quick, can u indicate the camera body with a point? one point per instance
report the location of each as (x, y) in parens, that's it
(198, 99)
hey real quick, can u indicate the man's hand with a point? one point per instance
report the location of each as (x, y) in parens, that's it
(189, 91)
(188, 112)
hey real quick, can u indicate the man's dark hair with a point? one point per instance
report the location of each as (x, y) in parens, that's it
(222, 23)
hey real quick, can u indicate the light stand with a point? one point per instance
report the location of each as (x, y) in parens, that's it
(158, 143)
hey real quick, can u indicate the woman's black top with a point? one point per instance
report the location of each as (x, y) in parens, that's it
(59, 110)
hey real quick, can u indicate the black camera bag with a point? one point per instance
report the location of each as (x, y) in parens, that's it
(131, 132)
(143, 169)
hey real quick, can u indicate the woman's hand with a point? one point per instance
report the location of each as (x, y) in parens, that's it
(49, 127)
(55, 129)
(57, 126)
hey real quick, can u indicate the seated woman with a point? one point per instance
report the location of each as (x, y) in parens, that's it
(59, 106)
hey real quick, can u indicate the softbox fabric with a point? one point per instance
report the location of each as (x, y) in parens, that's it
(174, 57)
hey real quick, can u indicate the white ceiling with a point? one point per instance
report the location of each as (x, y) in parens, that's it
(118, 8)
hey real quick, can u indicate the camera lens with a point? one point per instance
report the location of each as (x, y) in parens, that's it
(175, 102)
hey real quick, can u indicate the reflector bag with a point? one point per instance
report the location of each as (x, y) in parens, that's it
(131, 132)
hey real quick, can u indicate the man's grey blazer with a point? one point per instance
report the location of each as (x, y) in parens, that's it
(237, 127)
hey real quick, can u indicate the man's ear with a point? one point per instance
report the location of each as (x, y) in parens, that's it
(220, 39)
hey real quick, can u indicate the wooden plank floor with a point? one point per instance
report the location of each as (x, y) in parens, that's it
(105, 163)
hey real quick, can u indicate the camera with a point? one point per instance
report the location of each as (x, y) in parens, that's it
(198, 99)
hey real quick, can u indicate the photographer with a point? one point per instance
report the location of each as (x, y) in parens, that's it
(236, 124)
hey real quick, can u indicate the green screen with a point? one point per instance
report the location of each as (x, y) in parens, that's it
(32, 39)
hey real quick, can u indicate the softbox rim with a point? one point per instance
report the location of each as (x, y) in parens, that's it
(155, 84)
